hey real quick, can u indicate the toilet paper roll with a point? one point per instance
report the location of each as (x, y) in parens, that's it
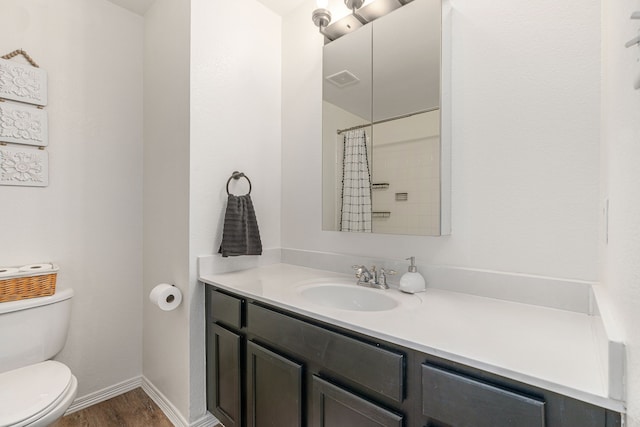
(165, 296)
(36, 268)
(8, 271)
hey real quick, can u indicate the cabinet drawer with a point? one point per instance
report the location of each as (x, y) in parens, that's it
(226, 309)
(376, 369)
(460, 401)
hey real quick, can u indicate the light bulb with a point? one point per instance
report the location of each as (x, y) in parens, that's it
(322, 4)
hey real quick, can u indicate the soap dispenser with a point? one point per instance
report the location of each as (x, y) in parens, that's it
(412, 281)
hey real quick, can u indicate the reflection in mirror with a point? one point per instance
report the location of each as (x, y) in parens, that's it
(406, 155)
(382, 144)
(347, 94)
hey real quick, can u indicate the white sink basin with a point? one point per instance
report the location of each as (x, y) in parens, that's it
(348, 297)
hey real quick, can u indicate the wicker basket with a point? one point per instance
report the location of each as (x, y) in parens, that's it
(25, 285)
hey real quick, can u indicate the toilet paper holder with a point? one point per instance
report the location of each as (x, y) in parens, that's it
(166, 296)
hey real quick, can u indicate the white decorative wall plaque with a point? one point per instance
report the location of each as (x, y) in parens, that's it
(24, 166)
(23, 83)
(22, 124)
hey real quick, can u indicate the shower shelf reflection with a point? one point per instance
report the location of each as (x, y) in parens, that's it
(380, 215)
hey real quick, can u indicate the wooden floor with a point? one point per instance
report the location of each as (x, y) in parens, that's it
(132, 409)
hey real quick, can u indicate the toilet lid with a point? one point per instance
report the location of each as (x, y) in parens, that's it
(27, 391)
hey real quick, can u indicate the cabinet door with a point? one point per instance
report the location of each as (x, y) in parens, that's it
(336, 407)
(274, 389)
(224, 393)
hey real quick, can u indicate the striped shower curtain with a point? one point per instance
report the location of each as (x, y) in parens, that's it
(356, 183)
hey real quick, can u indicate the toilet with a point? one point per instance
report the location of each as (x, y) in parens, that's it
(34, 391)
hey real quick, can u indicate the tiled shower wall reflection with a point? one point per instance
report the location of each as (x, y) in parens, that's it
(406, 155)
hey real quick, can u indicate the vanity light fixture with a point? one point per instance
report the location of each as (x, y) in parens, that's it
(354, 5)
(321, 17)
(362, 12)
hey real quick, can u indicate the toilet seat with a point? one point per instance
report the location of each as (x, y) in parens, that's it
(32, 392)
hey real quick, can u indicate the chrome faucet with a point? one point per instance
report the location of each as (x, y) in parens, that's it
(372, 278)
(382, 277)
(363, 275)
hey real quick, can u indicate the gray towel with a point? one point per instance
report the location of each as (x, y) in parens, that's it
(240, 234)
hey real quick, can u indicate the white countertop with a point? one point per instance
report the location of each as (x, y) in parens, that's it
(548, 348)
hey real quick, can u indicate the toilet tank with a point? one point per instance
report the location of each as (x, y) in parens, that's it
(33, 330)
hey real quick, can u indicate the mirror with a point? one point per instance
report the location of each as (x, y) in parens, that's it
(385, 151)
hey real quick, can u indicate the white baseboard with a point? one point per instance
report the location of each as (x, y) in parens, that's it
(171, 411)
(206, 421)
(105, 394)
(165, 404)
(158, 398)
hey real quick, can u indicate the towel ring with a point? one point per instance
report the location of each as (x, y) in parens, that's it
(238, 175)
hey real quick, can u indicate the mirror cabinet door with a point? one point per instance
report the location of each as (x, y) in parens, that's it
(347, 103)
(406, 60)
(394, 102)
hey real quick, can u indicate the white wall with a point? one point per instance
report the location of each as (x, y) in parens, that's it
(235, 116)
(620, 176)
(89, 218)
(212, 106)
(235, 125)
(526, 100)
(166, 197)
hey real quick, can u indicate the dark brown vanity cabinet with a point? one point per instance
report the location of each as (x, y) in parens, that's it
(270, 367)
(248, 385)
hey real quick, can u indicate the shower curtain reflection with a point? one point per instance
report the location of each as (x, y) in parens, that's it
(356, 183)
